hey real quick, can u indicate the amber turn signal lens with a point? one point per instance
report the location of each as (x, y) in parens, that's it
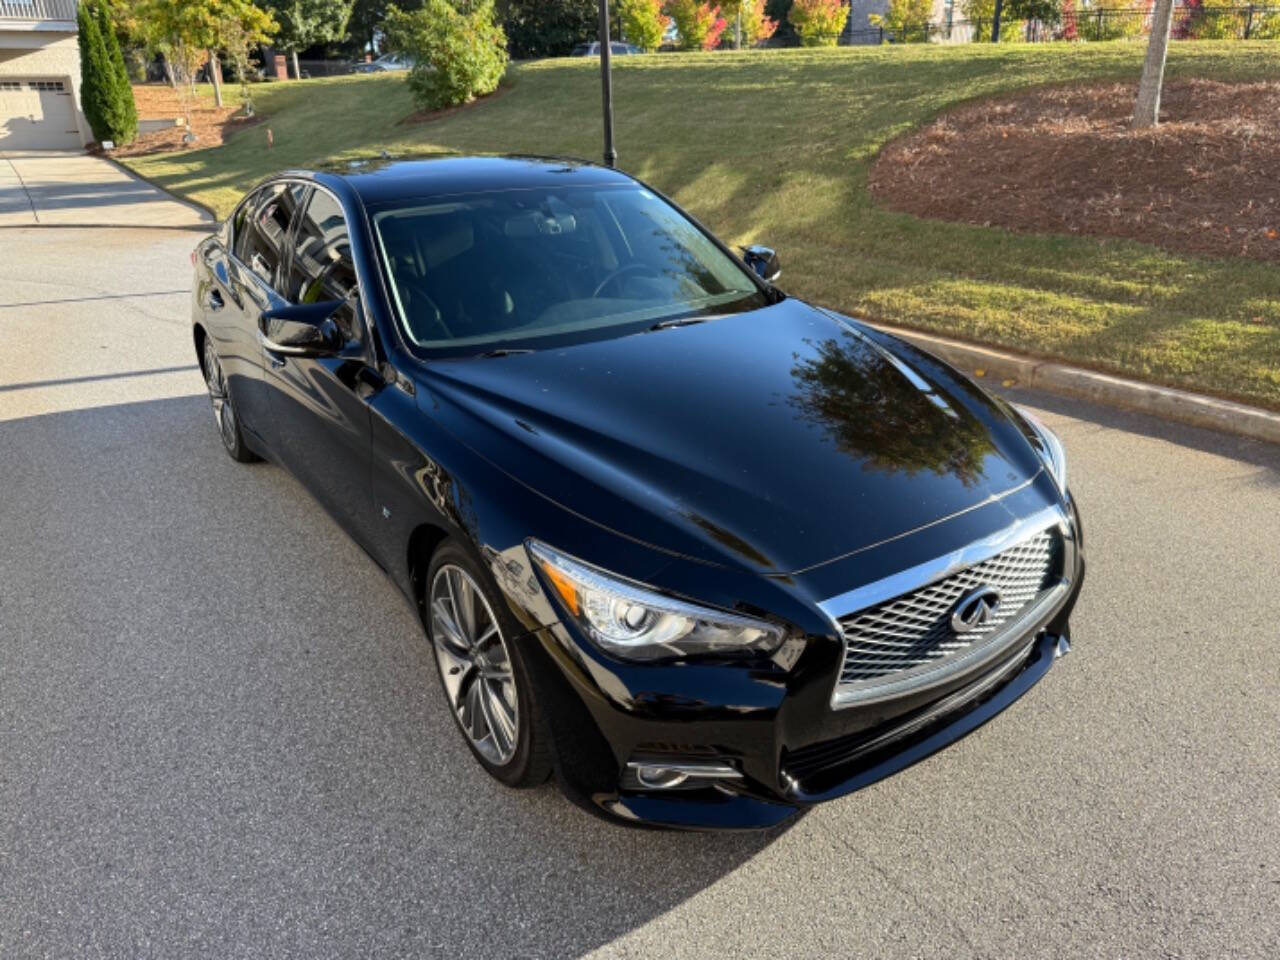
(564, 587)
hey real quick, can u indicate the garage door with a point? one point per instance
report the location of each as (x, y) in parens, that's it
(37, 114)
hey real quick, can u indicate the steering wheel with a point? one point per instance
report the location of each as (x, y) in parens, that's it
(424, 310)
(635, 266)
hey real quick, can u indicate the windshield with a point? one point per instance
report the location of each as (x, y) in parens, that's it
(526, 269)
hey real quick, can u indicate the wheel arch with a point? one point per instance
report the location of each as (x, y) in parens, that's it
(423, 543)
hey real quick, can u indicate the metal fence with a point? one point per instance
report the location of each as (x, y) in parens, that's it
(37, 9)
(1090, 24)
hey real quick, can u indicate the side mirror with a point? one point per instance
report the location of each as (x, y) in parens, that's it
(764, 261)
(303, 330)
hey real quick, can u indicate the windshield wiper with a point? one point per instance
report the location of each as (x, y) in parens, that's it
(505, 351)
(678, 322)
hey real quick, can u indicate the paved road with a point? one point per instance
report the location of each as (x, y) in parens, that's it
(70, 188)
(220, 734)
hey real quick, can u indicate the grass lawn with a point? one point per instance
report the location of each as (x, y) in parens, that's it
(774, 146)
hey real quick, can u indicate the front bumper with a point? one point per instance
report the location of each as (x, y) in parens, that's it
(731, 810)
(775, 727)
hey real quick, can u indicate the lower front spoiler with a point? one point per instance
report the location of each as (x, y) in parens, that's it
(722, 810)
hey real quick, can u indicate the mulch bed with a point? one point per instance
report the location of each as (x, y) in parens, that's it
(1063, 160)
(210, 124)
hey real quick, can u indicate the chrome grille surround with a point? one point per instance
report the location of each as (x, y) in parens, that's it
(898, 633)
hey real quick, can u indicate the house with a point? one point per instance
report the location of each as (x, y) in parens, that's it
(40, 77)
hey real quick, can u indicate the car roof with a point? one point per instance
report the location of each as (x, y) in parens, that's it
(381, 181)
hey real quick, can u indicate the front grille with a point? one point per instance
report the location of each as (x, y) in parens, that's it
(913, 632)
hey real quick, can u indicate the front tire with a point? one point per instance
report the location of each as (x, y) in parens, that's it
(482, 671)
(224, 411)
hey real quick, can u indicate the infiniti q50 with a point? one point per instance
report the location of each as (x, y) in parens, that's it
(706, 552)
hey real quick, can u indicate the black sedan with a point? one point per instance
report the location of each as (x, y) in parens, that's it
(709, 553)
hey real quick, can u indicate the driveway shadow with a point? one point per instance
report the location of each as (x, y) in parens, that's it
(223, 733)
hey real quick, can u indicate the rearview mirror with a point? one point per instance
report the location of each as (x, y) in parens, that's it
(764, 261)
(304, 329)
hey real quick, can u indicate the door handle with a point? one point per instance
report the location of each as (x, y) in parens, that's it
(277, 361)
(215, 301)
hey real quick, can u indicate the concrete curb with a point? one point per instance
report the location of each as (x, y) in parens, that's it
(1179, 405)
(195, 205)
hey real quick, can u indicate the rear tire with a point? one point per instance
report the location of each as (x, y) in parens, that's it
(224, 410)
(483, 672)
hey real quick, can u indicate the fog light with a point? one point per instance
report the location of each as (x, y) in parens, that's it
(659, 778)
(656, 775)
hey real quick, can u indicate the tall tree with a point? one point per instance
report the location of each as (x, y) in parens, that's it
(549, 28)
(1146, 112)
(643, 23)
(95, 73)
(367, 18)
(306, 23)
(185, 27)
(105, 95)
(125, 111)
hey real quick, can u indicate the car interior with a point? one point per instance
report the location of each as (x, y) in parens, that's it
(534, 263)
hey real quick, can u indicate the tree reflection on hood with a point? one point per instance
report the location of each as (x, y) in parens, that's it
(887, 414)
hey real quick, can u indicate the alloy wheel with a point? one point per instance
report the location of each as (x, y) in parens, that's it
(224, 413)
(475, 664)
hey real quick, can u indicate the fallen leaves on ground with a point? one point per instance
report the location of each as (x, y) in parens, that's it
(210, 124)
(1065, 160)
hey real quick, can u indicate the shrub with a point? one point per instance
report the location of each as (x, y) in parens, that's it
(643, 23)
(818, 22)
(105, 95)
(906, 20)
(1265, 26)
(1068, 14)
(456, 56)
(699, 23)
(1223, 20)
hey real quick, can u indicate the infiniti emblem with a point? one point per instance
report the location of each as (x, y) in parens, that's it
(976, 609)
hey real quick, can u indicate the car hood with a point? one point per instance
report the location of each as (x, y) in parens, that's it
(773, 440)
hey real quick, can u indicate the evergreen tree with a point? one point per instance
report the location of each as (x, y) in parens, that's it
(95, 73)
(123, 120)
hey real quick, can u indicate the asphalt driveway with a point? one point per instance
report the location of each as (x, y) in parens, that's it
(221, 734)
(64, 188)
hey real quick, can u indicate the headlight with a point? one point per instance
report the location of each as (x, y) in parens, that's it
(633, 622)
(1049, 447)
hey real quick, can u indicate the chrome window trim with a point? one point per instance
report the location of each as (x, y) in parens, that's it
(922, 575)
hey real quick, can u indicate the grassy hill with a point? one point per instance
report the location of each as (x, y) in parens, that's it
(774, 146)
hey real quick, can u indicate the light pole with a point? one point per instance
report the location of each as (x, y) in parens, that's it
(606, 85)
